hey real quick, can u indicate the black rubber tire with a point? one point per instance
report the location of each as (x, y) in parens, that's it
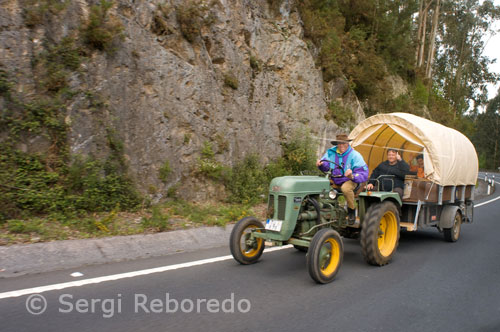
(453, 234)
(301, 248)
(377, 217)
(245, 255)
(315, 259)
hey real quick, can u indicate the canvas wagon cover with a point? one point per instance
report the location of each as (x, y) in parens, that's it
(450, 159)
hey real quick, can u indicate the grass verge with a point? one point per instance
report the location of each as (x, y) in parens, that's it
(168, 216)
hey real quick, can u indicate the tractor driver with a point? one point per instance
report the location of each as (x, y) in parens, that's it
(352, 171)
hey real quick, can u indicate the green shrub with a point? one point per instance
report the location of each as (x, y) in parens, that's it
(255, 63)
(191, 18)
(231, 81)
(101, 30)
(247, 181)
(208, 166)
(341, 115)
(95, 185)
(187, 138)
(5, 85)
(420, 93)
(158, 220)
(56, 63)
(35, 11)
(25, 226)
(299, 153)
(207, 152)
(165, 171)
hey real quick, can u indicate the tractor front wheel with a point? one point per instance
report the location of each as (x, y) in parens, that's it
(380, 233)
(244, 249)
(325, 254)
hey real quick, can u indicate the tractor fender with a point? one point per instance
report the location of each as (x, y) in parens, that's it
(447, 218)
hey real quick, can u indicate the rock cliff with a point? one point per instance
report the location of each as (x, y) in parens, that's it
(235, 73)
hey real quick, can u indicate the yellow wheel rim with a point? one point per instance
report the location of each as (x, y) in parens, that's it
(329, 256)
(249, 248)
(388, 233)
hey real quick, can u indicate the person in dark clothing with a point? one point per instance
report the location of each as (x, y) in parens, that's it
(394, 165)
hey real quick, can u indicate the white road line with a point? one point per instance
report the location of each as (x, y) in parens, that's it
(78, 283)
(483, 203)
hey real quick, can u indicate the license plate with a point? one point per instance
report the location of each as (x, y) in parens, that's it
(274, 225)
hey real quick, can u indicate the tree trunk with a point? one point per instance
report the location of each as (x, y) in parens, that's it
(420, 60)
(419, 32)
(432, 47)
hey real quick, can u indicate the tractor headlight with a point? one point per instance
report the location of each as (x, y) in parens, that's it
(332, 194)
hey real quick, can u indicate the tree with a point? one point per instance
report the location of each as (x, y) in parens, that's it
(487, 138)
(461, 69)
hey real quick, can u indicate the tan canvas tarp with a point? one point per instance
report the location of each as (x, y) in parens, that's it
(449, 157)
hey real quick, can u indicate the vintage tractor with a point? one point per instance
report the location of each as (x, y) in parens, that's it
(306, 212)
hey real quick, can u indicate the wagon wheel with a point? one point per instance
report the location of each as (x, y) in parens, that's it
(244, 249)
(452, 234)
(380, 233)
(325, 254)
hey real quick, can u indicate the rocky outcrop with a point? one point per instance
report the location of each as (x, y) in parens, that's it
(245, 81)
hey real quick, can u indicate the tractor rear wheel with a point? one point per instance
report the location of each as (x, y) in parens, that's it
(380, 233)
(452, 234)
(325, 254)
(244, 249)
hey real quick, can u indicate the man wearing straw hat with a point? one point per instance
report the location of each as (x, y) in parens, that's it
(348, 171)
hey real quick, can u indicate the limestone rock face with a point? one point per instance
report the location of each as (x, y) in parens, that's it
(245, 81)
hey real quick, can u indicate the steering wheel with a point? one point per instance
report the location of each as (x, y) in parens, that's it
(330, 171)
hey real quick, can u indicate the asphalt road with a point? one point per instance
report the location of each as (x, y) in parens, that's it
(431, 285)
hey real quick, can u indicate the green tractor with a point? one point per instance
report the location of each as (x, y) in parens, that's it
(305, 212)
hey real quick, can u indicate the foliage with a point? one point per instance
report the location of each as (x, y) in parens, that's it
(255, 63)
(165, 171)
(248, 180)
(461, 68)
(5, 85)
(231, 81)
(36, 11)
(94, 185)
(363, 41)
(102, 30)
(487, 136)
(158, 220)
(341, 115)
(208, 214)
(299, 153)
(208, 166)
(46, 182)
(192, 16)
(57, 62)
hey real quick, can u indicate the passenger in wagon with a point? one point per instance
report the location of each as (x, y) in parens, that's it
(419, 167)
(394, 166)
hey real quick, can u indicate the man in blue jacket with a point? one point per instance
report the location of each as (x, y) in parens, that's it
(352, 170)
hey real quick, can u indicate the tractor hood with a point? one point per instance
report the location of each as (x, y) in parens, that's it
(300, 184)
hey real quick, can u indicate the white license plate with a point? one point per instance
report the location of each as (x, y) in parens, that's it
(274, 225)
